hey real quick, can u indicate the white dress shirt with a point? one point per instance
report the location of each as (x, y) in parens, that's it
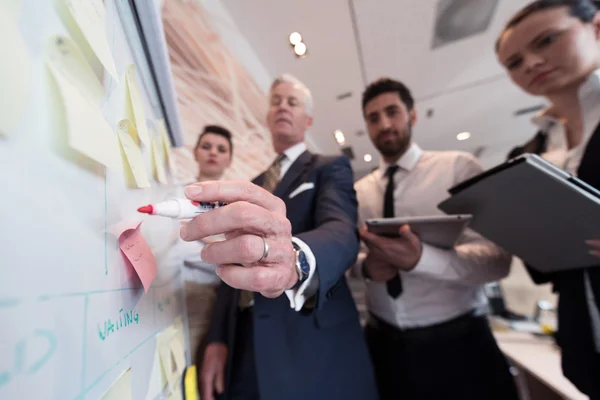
(445, 283)
(560, 155)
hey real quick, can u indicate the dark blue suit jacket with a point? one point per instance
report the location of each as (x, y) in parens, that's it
(316, 353)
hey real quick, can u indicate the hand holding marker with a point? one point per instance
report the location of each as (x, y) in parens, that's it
(179, 208)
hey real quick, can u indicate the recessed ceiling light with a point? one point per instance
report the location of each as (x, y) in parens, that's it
(295, 38)
(300, 49)
(339, 137)
(463, 136)
(368, 157)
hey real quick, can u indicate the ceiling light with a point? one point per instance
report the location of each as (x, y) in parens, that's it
(339, 137)
(300, 49)
(368, 157)
(463, 136)
(295, 38)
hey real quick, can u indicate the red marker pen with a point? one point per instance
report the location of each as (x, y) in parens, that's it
(179, 208)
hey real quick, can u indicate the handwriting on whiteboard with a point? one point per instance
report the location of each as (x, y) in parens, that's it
(27, 360)
(124, 320)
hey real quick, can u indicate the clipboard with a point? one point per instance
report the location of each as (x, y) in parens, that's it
(534, 210)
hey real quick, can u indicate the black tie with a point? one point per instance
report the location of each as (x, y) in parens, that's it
(394, 285)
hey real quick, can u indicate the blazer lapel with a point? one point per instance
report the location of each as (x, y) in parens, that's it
(589, 172)
(589, 169)
(293, 174)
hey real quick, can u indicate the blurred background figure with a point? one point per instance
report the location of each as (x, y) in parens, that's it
(213, 152)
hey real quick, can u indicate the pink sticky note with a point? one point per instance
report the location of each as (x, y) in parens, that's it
(137, 251)
(117, 229)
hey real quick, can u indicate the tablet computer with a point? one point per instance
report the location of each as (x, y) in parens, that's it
(438, 230)
(533, 210)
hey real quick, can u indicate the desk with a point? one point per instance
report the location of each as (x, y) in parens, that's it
(538, 361)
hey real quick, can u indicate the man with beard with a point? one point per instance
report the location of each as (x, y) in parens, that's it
(427, 332)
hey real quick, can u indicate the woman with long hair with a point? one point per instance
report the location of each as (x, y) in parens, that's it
(551, 48)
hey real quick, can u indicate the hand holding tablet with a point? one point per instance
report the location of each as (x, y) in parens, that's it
(437, 230)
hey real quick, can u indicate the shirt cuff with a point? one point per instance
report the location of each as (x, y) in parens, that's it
(357, 268)
(305, 291)
(434, 261)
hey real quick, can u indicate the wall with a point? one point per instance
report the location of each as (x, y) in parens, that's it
(213, 87)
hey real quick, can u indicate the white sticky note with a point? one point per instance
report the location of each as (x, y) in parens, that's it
(136, 105)
(88, 131)
(132, 156)
(90, 16)
(158, 164)
(15, 71)
(64, 54)
(121, 388)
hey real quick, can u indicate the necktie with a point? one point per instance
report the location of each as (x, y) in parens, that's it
(270, 183)
(272, 174)
(394, 285)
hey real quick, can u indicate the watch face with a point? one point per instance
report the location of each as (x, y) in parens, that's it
(302, 266)
(303, 263)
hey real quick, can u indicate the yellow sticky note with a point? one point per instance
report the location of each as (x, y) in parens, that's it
(63, 54)
(136, 105)
(166, 359)
(88, 131)
(90, 16)
(121, 388)
(158, 165)
(176, 394)
(132, 156)
(191, 383)
(166, 145)
(12, 7)
(178, 351)
(15, 70)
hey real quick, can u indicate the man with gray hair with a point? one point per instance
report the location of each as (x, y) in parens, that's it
(307, 344)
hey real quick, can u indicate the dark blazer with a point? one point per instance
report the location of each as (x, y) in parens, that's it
(317, 353)
(580, 361)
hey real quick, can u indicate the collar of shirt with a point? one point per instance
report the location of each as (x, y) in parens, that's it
(291, 155)
(407, 162)
(589, 97)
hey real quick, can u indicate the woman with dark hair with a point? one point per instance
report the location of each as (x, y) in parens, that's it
(213, 152)
(551, 48)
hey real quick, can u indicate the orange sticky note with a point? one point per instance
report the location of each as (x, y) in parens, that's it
(138, 253)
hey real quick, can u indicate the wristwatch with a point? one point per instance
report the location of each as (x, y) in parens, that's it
(302, 266)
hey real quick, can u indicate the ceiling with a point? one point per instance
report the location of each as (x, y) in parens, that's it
(353, 42)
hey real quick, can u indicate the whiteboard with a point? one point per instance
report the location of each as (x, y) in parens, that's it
(62, 277)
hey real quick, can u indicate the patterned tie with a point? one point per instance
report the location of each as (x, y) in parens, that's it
(272, 174)
(270, 183)
(394, 285)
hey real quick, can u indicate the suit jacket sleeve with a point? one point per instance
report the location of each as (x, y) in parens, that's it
(334, 241)
(217, 330)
